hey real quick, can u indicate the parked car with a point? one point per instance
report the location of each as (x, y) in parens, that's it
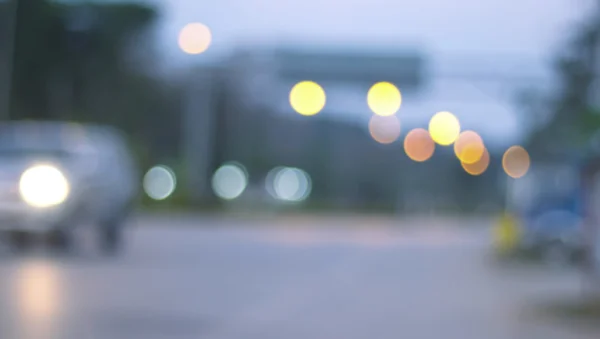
(548, 205)
(55, 177)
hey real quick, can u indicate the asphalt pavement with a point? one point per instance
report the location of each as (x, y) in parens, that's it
(185, 276)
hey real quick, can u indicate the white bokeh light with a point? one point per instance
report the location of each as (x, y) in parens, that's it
(43, 186)
(270, 181)
(288, 184)
(230, 181)
(159, 182)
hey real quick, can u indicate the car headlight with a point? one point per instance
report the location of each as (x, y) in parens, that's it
(43, 186)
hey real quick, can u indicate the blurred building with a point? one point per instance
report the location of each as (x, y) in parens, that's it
(253, 123)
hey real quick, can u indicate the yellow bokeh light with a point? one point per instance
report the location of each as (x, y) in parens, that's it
(469, 147)
(418, 145)
(384, 130)
(384, 99)
(195, 38)
(307, 98)
(478, 167)
(444, 128)
(516, 162)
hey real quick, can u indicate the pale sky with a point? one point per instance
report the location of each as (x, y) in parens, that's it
(467, 35)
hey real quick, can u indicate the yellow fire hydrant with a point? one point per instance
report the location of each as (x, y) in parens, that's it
(507, 234)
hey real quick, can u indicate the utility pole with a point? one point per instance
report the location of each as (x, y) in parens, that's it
(198, 133)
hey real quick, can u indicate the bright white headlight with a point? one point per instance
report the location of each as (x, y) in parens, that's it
(43, 186)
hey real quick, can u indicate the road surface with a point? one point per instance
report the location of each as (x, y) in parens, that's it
(287, 278)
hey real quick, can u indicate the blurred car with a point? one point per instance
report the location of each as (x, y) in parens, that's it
(57, 176)
(555, 232)
(548, 205)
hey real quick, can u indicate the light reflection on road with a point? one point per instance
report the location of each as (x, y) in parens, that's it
(242, 282)
(37, 292)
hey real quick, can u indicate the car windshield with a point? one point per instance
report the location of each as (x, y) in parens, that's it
(546, 185)
(555, 182)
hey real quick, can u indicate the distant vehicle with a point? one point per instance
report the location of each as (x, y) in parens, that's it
(548, 205)
(57, 176)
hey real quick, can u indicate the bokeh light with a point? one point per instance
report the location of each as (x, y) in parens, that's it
(444, 128)
(478, 167)
(418, 145)
(307, 98)
(384, 130)
(43, 186)
(159, 182)
(288, 184)
(384, 99)
(195, 38)
(469, 147)
(516, 162)
(270, 181)
(230, 181)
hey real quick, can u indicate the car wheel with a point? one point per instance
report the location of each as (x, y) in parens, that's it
(556, 254)
(111, 238)
(20, 241)
(60, 240)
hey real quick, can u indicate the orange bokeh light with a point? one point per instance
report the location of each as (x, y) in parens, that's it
(469, 147)
(478, 167)
(418, 145)
(516, 162)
